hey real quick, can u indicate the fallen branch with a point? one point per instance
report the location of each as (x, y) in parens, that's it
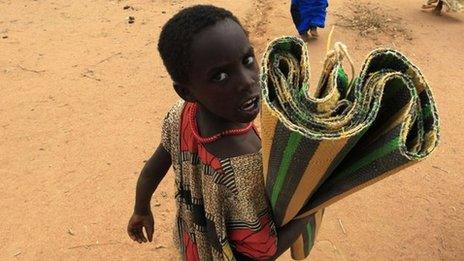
(436, 167)
(108, 58)
(341, 225)
(94, 245)
(90, 77)
(30, 70)
(149, 42)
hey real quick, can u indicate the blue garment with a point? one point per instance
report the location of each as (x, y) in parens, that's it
(308, 13)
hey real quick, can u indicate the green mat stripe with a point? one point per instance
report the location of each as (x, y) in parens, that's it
(297, 168)
(290, 149)
(276, 154)
(358, 178)
(386, 149)
(339, 158)
(308, 240)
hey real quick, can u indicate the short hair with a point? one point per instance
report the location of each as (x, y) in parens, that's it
(174, 44)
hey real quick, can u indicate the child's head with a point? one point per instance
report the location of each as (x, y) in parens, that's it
(207, 53)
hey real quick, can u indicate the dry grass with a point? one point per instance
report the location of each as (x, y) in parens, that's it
(370, 20)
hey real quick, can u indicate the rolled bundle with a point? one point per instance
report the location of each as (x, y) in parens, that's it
(318, 149)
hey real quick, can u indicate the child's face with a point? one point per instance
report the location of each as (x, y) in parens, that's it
(224, 74)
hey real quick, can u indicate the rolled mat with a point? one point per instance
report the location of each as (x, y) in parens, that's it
(352, 132)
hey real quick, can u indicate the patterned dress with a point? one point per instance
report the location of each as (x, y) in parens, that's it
(221, 203)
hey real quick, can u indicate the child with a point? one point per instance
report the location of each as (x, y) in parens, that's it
(209, 138)
(308, 15)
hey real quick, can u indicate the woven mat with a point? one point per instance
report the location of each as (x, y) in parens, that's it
(354, 131)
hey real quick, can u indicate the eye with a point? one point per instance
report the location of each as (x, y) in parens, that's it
(249, 60)
(219, 77)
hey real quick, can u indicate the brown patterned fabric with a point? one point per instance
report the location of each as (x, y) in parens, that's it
(221, 203)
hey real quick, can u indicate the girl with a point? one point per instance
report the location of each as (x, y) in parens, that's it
(212, 145)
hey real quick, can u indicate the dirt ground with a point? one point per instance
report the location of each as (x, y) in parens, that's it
(83, 93)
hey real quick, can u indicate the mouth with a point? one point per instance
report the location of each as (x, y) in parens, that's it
(250, 105)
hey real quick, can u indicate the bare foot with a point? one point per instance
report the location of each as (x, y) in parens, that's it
(313, 32)
(305, 37)
(437, 10)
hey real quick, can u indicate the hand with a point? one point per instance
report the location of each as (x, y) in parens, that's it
(136, 225)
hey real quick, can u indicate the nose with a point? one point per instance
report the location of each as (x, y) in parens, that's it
(248, 79)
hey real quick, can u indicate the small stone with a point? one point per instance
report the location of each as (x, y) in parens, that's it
(163, 12)
(131, 19)
(127, 7)
(5, 36)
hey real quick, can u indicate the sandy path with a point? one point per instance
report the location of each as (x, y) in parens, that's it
(80, 110)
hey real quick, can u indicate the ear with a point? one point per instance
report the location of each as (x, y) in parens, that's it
(184, 92)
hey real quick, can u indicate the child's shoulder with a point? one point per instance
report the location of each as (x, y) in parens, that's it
(176, 109)
(174, 114)
(170, 125)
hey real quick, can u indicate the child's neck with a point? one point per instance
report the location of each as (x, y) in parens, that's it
(210, 124)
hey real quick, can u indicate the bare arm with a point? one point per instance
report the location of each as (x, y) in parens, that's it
(152, 173)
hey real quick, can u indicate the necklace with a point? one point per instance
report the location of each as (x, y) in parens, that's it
(215, 137)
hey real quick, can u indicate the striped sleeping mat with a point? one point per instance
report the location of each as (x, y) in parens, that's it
(351, 132)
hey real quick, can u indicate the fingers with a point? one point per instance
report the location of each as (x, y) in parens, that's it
(136, 226)
(149, 229)
(141, 236)
(131, 235)
(138, 233)
(135, 233)
(132, 231)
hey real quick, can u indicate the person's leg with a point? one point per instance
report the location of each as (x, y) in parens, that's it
(313, 31)
(437, 10)
(296, 18)
(305, 37)
(318, 15)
